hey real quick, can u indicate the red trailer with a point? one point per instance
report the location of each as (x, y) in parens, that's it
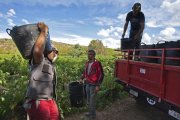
(157, 83)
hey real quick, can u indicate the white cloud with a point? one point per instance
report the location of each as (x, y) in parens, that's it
(4, 35)
(59, 25)
(166, 4)
(163, 16)
(114, 32)
(168, 32)
(146, 39)
(80, 22)
(73, 39)
(25, 21)
(111, 43)
(173, 22)
(70, 2)
(11, 13)
(111, 36)
(1, 15)
(104, 33)
(104, 21)
(122, 17)
(171, 6)
(154, 17)
(153, 24)
(76, 39)
(10, 22)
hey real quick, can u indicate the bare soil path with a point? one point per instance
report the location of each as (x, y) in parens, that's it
(126, 109)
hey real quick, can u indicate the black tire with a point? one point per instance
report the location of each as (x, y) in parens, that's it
(141, 100)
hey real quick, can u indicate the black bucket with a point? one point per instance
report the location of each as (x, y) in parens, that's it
(169, 53)
(24, 37)
(172, 53)
(148, 53)
(76, 91)
(126, 43)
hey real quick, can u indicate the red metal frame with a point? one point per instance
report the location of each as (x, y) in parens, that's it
(160, 80)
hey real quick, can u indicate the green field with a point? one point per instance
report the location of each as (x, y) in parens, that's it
(14, 79)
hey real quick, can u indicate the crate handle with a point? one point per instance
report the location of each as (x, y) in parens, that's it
(8, 31)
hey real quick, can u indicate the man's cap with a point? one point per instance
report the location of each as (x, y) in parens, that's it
(137, 6)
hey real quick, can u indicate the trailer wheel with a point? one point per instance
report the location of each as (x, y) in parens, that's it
(150, 101)
(140, 100)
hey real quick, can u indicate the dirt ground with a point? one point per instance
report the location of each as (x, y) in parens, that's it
(126, 109)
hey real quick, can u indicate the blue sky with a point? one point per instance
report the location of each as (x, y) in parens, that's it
(80, 21)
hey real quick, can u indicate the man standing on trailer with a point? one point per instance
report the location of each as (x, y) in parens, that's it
(137, 20)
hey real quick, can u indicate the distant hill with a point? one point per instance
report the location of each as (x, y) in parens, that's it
(7, 46)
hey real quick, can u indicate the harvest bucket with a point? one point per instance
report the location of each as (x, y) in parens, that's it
(126, 43)
(169, 53)
(145, 52)
(25, 36)
(76, 91)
